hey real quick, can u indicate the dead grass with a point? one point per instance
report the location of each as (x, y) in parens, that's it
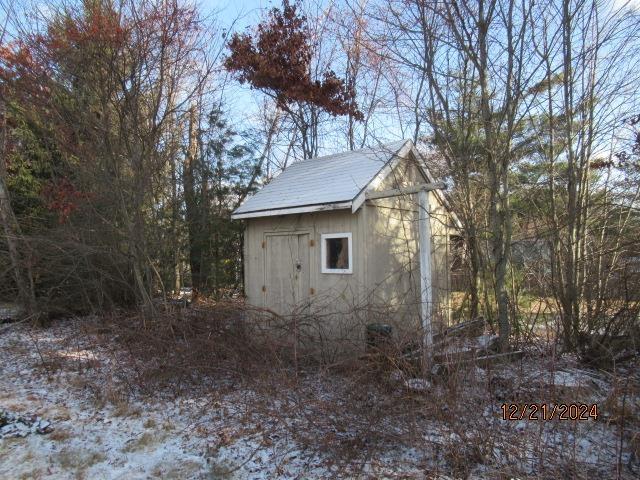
(59, 435)
(187, 469)
(123, 409)
(143, 442)
(36, 473)
(78, 460)
(354, 412)
(109, 393)
(149, 423)
(13, 406)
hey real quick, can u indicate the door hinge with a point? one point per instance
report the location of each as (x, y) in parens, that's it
(312, 291)
(264, 244)
(312, 243)
(264, 288)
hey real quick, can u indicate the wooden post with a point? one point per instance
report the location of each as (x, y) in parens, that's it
(426, 297)
(424, 255)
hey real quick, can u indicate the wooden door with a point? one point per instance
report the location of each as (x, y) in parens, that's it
(286, 272)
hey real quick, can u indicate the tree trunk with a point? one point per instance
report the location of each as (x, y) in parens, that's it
(497, 185)
(13, 235)
(192, 210)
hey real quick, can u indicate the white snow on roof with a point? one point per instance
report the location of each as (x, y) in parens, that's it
(322, 180)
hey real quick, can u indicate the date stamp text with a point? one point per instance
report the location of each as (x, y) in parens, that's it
(542, 411)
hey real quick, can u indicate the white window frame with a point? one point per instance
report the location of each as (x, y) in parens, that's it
(323, 252)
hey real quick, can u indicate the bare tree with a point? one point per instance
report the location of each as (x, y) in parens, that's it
(589, 50)
(117, 77)
(473, 70)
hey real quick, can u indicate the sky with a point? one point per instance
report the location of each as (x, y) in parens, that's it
(633, 4)
(240, 13)
(244, 103)
(241, 103)
(246, 12)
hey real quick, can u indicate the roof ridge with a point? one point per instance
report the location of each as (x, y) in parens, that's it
(381, 147)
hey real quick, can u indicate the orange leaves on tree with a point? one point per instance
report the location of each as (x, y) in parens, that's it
(61, 196)
(600, 164)
(17, 62)
(277, 61)
(35, 57)
(99, 25)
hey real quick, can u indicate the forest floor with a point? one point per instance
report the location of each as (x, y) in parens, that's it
(108, 423)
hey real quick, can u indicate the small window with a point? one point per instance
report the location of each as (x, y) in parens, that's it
(337, 253)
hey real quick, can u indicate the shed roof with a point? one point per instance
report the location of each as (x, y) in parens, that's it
(323, 183)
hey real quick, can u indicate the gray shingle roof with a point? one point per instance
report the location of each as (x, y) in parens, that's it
(320, 181)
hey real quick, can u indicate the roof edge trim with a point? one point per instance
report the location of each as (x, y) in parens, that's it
(382, 174)
(320, 207)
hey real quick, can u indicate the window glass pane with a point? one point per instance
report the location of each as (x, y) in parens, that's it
(337, 253)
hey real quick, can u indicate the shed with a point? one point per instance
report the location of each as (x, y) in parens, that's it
(325, 237)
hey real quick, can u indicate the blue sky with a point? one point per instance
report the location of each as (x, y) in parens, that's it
(242, 104)
(242, 12)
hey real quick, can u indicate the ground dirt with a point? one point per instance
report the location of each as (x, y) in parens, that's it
(119, 413)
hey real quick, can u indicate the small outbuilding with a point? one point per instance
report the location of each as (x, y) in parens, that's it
(344, 237)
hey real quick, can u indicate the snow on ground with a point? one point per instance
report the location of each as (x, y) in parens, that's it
(132, 441)
(127, 438)
(229, 431)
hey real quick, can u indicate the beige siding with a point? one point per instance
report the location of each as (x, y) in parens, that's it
(392, 246)
(385, 283)
(343, 287)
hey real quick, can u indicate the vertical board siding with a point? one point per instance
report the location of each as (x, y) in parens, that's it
(385, 283)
